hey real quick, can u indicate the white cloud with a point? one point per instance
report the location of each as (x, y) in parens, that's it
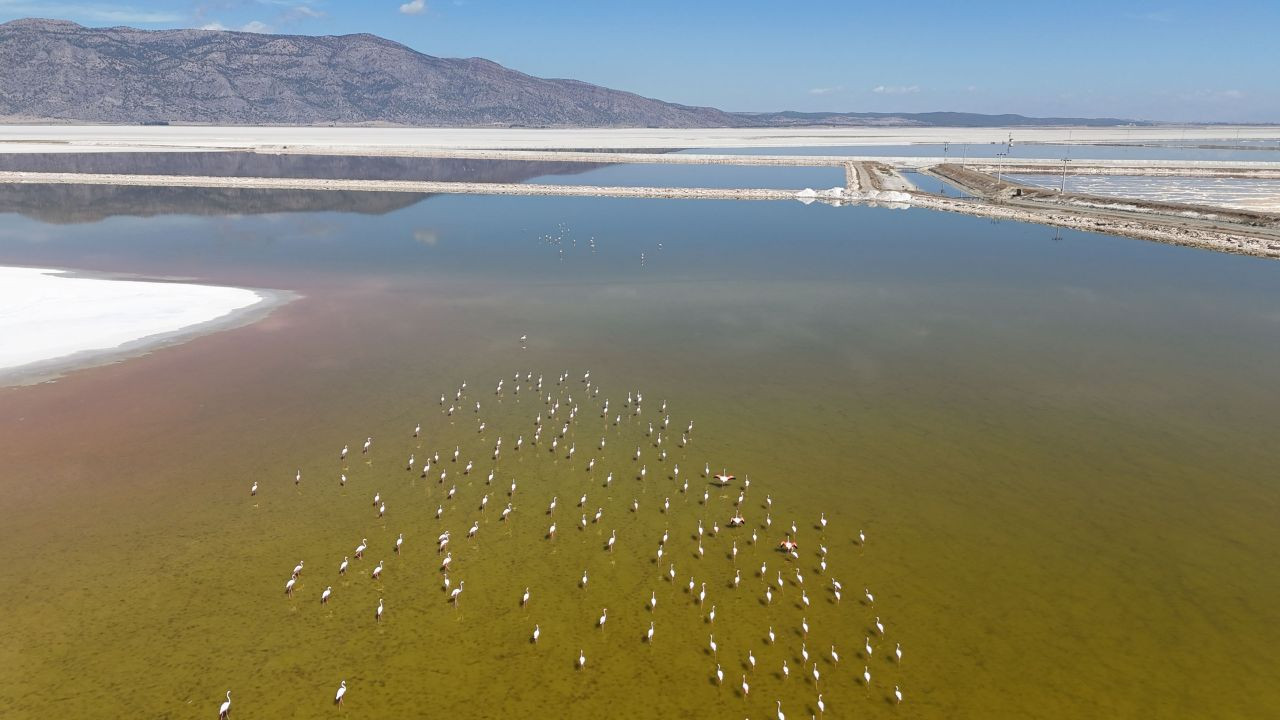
(215, 25)
(895, 89)
(414, 7)
(256, 26)
(826, 90)
(92, 12)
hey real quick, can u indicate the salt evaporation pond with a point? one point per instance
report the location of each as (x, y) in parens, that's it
(1059, 446)
(1239, 193)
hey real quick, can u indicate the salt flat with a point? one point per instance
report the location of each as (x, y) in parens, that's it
(51, 320)
(88, 138)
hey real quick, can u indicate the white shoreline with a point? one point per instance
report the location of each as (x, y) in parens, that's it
(55, 321)
(135, 138)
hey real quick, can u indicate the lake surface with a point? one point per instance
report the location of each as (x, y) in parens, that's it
(1060, 447)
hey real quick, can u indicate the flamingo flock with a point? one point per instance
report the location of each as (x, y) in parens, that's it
(724, 500)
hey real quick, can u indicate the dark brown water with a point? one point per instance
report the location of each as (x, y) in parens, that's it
(1059, 447)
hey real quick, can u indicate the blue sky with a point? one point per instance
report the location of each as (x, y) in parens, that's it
(1190, 61)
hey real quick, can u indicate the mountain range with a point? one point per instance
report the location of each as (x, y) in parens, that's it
(59, 71)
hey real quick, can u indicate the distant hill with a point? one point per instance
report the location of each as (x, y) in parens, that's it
(56, 70)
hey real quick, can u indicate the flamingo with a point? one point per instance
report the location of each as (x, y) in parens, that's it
(897, 651)
(297, 478)
(252, 491)
(714, 647)
(399, 542)
(224, 711)
(604, 616)
(343, 455)
(897, 694)
(537, 631)
(475, 528)
(377, 615)
(377, 571)
(649, 636)
(737, 577)
(786, 671)
(584, 579)
(582, 660)
(719, 675)
(772, 638)
(702, 594)
(551, 532)
(368, 443)
(297, 569)
(524, 599)
(364, 545)
(835, 657)
(867, 646)
(711, 617)
(653, 600)
(780, 715)
(879, 626)
(751, 658)
(342, 689)
(822, 707)
(453, 596)
(871, 599)
(342, 569)
(866, 675)
(746, 689)
(822, 520)
(612, 539)
(324, 596)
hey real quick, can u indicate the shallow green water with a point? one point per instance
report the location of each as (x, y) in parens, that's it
(1060, 452)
